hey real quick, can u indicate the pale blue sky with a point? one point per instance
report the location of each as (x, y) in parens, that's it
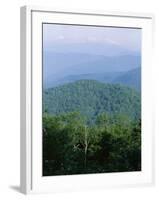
(126, 38)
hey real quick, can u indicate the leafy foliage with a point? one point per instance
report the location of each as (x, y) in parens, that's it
(91, 127)
(70, 146)
(92, 98)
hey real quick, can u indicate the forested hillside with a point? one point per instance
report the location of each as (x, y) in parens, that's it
(92, 98)
(91, 127)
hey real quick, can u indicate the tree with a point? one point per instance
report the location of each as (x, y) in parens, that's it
(71, 146)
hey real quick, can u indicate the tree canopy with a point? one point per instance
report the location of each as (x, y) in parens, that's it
(70, 146)
(92, 98)
(91, 127)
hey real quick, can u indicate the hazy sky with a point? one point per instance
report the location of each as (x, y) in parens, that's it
(73, 50)
(127, 38)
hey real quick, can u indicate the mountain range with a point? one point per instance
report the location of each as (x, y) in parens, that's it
(107, 61)
(131, 78)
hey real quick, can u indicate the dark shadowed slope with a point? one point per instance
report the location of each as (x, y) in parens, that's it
(131, 78)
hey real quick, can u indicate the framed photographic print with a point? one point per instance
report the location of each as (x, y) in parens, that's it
(86, 100)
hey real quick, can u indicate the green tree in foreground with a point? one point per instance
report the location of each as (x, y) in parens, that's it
(72, 146)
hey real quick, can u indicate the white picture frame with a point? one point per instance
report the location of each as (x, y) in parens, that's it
(31, 100)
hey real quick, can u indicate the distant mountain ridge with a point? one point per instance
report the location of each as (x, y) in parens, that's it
(57, 66)
(130, 78)
(93, 48)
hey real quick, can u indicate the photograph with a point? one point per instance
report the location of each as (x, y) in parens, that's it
(91, 99)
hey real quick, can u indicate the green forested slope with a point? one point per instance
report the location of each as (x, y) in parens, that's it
(92, 98)
(91, 127)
